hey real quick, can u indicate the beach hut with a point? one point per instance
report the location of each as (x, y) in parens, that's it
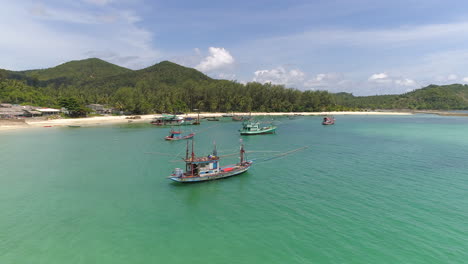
(48, 111)
(10, 112)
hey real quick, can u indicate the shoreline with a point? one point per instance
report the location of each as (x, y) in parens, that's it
(110, 120)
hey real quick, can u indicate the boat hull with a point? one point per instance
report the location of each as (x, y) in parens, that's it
(259, 132)
(217, 176)
(179, 138)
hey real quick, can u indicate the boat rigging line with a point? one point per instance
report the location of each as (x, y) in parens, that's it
(283, 154)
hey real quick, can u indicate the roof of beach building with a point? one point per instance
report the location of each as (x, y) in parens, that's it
(47, 110)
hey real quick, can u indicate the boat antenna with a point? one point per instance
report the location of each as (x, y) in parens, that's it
(215, 151)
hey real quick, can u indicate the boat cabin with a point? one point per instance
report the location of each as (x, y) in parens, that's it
(198, 166)
(251, 126)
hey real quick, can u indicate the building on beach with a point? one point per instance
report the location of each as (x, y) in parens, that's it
(48, 111)
(12, 111)
(100, 109)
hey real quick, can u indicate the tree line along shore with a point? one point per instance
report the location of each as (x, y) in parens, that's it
(168, 87)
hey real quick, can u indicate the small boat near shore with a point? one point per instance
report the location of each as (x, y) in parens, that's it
(169, 120)
(328, 120)
(206, 168)
(254, 128)
(74, 126)
(177, 135)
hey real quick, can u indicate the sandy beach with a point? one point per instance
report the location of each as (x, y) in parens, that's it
(109, 120)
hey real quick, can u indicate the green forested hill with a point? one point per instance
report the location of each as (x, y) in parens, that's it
(432, 97)
(77, 71)
(163, 87)
(168, 87)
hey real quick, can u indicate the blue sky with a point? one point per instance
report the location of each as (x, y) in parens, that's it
(359, 46)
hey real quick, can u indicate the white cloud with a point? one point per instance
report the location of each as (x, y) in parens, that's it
(384, 78)
(326, 81)
(452, 77)
(98, 2)
(218, 58)
(465, 79)
(384, 83)
(378, 77)
(405, 82)
(34, 36)
(280, 75)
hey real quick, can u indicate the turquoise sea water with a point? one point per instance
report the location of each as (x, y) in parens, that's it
(370, 189)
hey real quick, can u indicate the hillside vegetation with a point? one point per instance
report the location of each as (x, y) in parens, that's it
(169, 87)
(432, 97)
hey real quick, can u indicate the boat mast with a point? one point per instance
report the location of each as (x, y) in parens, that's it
(242, 151)
(215, 151)
(193, 157)
(186, 158)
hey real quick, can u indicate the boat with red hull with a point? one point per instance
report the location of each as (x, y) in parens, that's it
(328, 121)
(177, 135)
(207, 168)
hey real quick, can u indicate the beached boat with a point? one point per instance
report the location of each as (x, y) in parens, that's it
(206, 168)
(237, 118)
(171, 120)
(228, 115)
(177, 135)
(254, 128)
(240, 118)
(328, 120)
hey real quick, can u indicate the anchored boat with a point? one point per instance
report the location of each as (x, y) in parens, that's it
(254, 128)
(165, 120)
(177, 135)
(328, 120)
(207, 168)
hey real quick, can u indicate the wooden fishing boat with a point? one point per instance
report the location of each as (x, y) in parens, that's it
(177, 135)
(212, 119)
(207, 168)
(328, 120)
(169, 120)
(73, 126)
(197, 121)
(254, 128)
(237, 118)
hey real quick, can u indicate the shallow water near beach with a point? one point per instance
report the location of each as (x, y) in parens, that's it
(370, 189)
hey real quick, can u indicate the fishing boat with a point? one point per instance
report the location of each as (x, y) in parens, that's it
(228, 115)
(172, 120)
(328, 120)
(237, 118)
(240, 118)
(73, 126)
(212, 119)
(206, 168)
(177, 135)
(254, 128)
